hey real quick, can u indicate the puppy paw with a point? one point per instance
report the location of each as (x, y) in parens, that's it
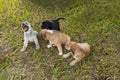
(37, 48)
(54, 45)
(22, 50)
(60, 53)
(48, 46)
(65, 56)
(72, 64)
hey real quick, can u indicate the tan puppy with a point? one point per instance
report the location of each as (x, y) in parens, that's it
(78, 51)
(56, 38)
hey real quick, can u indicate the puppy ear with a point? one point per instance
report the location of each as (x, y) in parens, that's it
(73, 45)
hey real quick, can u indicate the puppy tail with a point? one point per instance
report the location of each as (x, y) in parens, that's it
(59, 19)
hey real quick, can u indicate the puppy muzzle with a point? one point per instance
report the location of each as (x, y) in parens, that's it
(25, 27)
(66, 47)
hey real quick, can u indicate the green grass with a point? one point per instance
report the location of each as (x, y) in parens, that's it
(94, 21)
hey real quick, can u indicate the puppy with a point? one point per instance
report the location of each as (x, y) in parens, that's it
(56, 38)
(29, 35)
(78, 51)
(51, 24)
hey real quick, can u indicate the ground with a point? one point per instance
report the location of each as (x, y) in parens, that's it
(96, 22)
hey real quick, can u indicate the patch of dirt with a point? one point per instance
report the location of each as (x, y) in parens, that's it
(4, 50)
(21, 70)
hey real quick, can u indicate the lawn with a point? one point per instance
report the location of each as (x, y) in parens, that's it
(96, 22)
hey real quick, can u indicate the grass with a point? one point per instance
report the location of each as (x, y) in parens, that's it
(93, 21)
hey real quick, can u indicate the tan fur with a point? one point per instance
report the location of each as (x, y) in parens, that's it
(57, 38)
(78, 51)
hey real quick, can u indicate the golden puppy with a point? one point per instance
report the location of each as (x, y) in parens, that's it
(78, 51)
(56, 38)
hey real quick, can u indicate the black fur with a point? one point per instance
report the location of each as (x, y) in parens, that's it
(51, 24)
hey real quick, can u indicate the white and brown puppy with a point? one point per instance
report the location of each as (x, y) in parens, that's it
(29, 35)
(78, 51)
(56, 38)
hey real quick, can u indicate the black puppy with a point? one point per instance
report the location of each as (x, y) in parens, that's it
(51, 24)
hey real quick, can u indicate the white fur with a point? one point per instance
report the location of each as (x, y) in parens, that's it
(50, 31)
(30, 36)
(60, 53)
(50, 44)
(65, 56)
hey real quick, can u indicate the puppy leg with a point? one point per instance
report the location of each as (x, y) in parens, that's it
(77, 59)
(24, 46)
(49, 45)
(59, 49)
(37, 44)
(67, 55)
(74, 61)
